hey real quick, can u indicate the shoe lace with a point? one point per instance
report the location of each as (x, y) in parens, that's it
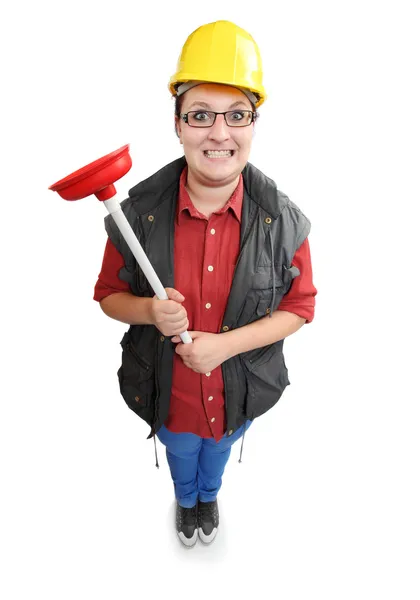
(188, 515)
(206, 510)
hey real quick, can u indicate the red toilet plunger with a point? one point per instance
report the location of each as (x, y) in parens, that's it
(98, 178)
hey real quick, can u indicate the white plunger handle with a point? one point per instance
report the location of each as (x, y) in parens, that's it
(114, 209)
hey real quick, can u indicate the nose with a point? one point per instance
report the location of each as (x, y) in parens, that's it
(219, 131)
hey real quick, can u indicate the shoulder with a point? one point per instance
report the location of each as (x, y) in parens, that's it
(264, 191)
(291, 216)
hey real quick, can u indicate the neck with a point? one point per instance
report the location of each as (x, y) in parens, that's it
(209, 199)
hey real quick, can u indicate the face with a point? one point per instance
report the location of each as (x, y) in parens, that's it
(196, 141)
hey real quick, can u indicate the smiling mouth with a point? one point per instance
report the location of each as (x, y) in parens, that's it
(218, 153)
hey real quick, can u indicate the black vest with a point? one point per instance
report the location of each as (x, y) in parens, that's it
(272, 229)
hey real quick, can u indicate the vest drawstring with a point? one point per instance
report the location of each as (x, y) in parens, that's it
(242, 445)
(273, 275)
(157, 462)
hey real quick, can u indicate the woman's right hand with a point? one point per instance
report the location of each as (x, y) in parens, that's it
(169, 316)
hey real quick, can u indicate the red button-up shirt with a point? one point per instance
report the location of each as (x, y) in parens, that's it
(205, 254)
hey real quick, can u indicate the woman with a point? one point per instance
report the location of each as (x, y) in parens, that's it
(234, 255)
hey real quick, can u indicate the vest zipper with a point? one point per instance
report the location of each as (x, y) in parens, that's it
(137, 357)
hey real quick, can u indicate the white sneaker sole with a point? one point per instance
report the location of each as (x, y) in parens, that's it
(207, 539)
(189, 542)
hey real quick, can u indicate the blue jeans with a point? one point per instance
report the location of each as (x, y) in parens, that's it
(197, 464)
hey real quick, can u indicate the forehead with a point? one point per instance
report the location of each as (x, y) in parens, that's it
(215, 97)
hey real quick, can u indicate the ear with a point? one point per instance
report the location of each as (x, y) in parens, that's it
(178, 129)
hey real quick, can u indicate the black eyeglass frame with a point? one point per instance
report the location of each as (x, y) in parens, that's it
(254, 116)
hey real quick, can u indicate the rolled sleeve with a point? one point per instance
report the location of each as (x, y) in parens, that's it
(108, 281)
(300, 299)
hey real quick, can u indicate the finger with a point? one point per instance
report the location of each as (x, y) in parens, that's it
(184, 351)
(173, 294)
(174, 320)
(172, 308)
(174, 328)
(178, 330)
(176, 333)
(176, 337)
(195, 334)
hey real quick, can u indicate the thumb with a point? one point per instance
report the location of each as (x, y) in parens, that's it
(193, 335)
(174, 295)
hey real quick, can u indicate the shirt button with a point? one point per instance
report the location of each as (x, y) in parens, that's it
(208, 305)
(210, 398)
(208, 374)
(225, 328)
(212, 231)
(230, 432)
(213, 420)
(210, 268)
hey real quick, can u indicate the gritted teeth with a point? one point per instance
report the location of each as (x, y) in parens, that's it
(218, 152)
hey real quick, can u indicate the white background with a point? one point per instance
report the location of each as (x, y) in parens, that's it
(325, 503)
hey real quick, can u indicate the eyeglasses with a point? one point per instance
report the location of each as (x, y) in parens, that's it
(206, 118)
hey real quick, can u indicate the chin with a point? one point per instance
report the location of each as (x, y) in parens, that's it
(220, 174)
(216, 172)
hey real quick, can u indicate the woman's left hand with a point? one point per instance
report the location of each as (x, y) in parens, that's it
(206, 352)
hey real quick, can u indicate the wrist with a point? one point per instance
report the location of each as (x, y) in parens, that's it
(229, 344)
(149, 317)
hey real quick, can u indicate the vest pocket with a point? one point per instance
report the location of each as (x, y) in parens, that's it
(135, 379)
(266, 376)
(143, 364)
(257, 304)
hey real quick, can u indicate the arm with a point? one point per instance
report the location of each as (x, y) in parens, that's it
(261, 333)
(127, 308)
(114, 295)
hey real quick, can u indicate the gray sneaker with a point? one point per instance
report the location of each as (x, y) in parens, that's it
(186, 524)
(208, 521)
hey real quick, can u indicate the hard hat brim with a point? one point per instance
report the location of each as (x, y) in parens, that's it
(175, 82)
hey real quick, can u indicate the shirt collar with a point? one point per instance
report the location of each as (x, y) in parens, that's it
(185, 203)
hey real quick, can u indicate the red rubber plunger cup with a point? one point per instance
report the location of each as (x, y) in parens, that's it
(96, 178)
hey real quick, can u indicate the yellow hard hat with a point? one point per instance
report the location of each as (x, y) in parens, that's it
(221, 52)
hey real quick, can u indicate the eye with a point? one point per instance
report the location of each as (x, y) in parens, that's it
(238, 115)
(200, 116)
